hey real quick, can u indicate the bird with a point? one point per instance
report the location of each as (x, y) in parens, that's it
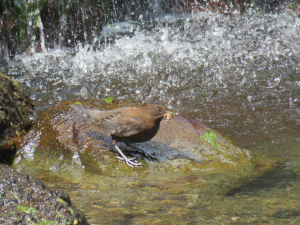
(128, 125)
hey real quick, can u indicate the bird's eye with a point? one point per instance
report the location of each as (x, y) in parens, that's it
(157, 109)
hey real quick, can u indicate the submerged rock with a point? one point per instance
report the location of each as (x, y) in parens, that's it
(182, 144)
(16, 116)
(23, 201)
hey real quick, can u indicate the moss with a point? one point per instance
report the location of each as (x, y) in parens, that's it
(15, 84)
(62, 201)
(28, 210)
(48, 222)
(71, 210)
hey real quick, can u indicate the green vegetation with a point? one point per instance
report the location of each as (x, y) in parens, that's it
(61, 201)
(109, 100)
(29, 210)
(32, 211)
(21, 19)
(210, 137)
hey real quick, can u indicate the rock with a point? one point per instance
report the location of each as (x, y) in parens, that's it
(25, 202)
(16, 116)
(182, 144)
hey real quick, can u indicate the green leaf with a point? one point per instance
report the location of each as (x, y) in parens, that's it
(109, 100)
(213, 135)
(77, 103)
(129, 100)
(210, 137)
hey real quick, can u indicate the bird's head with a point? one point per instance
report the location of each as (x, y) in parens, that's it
(155, 111)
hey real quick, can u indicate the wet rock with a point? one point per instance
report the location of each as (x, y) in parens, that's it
(25, 202)
(182, 144)
(16, 116)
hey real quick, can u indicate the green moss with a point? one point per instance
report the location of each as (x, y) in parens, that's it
(71, 210)
(32, 211)
(62, 201)
(29, 210)
(15, 83)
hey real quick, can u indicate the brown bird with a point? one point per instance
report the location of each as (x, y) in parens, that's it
(128, 125)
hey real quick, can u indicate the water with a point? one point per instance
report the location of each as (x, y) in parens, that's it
(232, 72)
(240, 75)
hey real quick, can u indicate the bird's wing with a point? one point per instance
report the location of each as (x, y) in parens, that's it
(94, 114)
(123, 126)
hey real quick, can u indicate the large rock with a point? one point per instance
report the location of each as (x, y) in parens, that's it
(181, 145)
(23, 201)
(16, 116)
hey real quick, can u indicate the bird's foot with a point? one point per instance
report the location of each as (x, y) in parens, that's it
(145, 153)
(129, 162)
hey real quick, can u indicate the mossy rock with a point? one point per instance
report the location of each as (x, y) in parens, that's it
(16, 116)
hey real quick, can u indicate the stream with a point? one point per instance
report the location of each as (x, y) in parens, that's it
(237, 74)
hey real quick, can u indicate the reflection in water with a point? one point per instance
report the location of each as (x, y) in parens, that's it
(240, 75)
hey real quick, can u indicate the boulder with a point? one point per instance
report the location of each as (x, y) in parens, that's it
(16, 116)
(182, 145)
(23, 201)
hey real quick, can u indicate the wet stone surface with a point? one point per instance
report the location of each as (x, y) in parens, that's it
(23, 201)
(181, 145)
(16, 116)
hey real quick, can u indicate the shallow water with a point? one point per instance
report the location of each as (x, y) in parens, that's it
(240, 75)
(179, 199)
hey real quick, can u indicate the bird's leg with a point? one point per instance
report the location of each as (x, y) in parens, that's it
(129, 162)
(142, 151)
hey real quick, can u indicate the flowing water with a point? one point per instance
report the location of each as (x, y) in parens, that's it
(239, 74)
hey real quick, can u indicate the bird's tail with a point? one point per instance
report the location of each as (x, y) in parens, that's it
(92, 114)
(80, 110)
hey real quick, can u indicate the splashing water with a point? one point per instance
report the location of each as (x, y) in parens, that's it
(231, 71)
